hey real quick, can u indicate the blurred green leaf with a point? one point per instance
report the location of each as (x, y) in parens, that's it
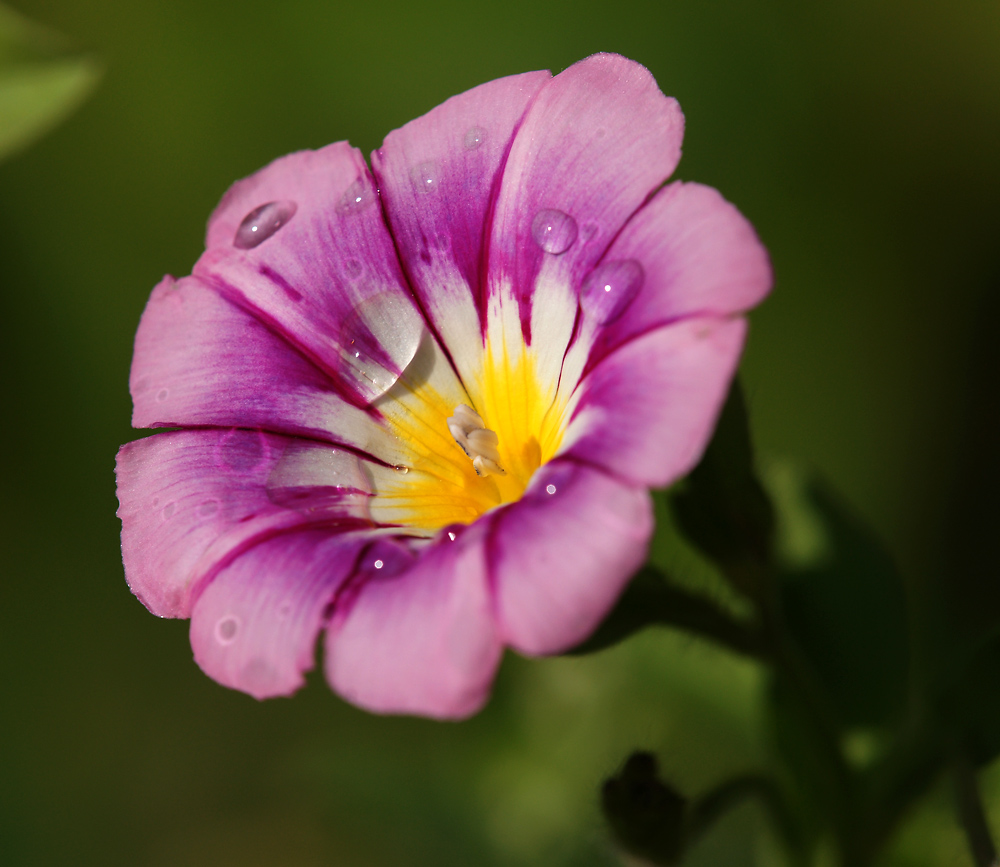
(40, 83)
(650, 599)
(846, 611)
(721, 507)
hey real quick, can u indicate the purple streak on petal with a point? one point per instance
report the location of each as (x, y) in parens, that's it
(647, 410)
(561, 556)
(254, 628)
(360, 328)
(439, 226)
(423, 641)
(200, 360)
(189, 500)
(597, 140)
(700, 256)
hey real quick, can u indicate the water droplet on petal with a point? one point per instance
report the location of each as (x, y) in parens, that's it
(356, 198)
(353, 267)
(241, 450)
(378, 342)
(162, 395)
(262, 222)
(425, 177)
(610, 288)
(474, 138)
(226, 629)
(379, 564)
(208, 508)
(451, 536)
(553, 231)
(168, 511)
(402, 470)
(550, 489)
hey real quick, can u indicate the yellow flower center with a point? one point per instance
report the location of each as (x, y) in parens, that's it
(516, 425)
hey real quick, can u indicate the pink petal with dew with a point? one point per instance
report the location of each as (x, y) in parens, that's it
(201, 360)
(438, 177)
(647, 410)
(327, 278)
(423, 640)
(255, 626)
(596, 141)
(562, 555)
(189, 500)
(698, 256)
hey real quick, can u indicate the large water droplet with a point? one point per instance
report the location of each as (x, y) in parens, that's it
(226, 629)
(610, 288)
(378, 342)
(241, 450)
(207, 508)
(262, 222)
(425, 177)
(356, 198)
(474, 137)
(553, 231)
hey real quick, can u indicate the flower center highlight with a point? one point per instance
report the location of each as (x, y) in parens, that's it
(476, 441)
(467, 458)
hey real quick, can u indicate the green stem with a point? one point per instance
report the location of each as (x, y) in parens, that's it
(971, 813)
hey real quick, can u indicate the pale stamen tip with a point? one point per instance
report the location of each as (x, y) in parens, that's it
(476, 440)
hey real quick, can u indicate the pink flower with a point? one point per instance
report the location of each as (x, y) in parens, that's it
(419, 411)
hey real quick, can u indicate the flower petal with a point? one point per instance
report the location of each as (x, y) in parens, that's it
(328, 278)
(254, 628)
(423, 640)
(438, 177)
(201, 360)
(647, 410)
(699, 256)
(596, 141)
(561, 556)
(190, 499)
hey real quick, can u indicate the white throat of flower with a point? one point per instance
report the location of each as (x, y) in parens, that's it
(479, 443)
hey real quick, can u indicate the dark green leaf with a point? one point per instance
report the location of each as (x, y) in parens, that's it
(721, 507)
(847, 613)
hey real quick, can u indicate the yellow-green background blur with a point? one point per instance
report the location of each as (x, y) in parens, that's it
(863, 141)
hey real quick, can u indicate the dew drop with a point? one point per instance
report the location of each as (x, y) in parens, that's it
(353, 267)
(262, 222)
(168, 511)
(356, 198)
(162, 395)
(241, 450)
(208, 508)
(379, 564)
(610, 288)
(377, 342)
(451, 535)
(402, 469)
(550, 489)
(474, 137)
(553, 231)
(226, 629)
(425, 177)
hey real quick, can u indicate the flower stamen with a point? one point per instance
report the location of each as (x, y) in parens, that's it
(476, 440)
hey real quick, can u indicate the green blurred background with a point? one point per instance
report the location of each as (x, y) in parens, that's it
(861, 139)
